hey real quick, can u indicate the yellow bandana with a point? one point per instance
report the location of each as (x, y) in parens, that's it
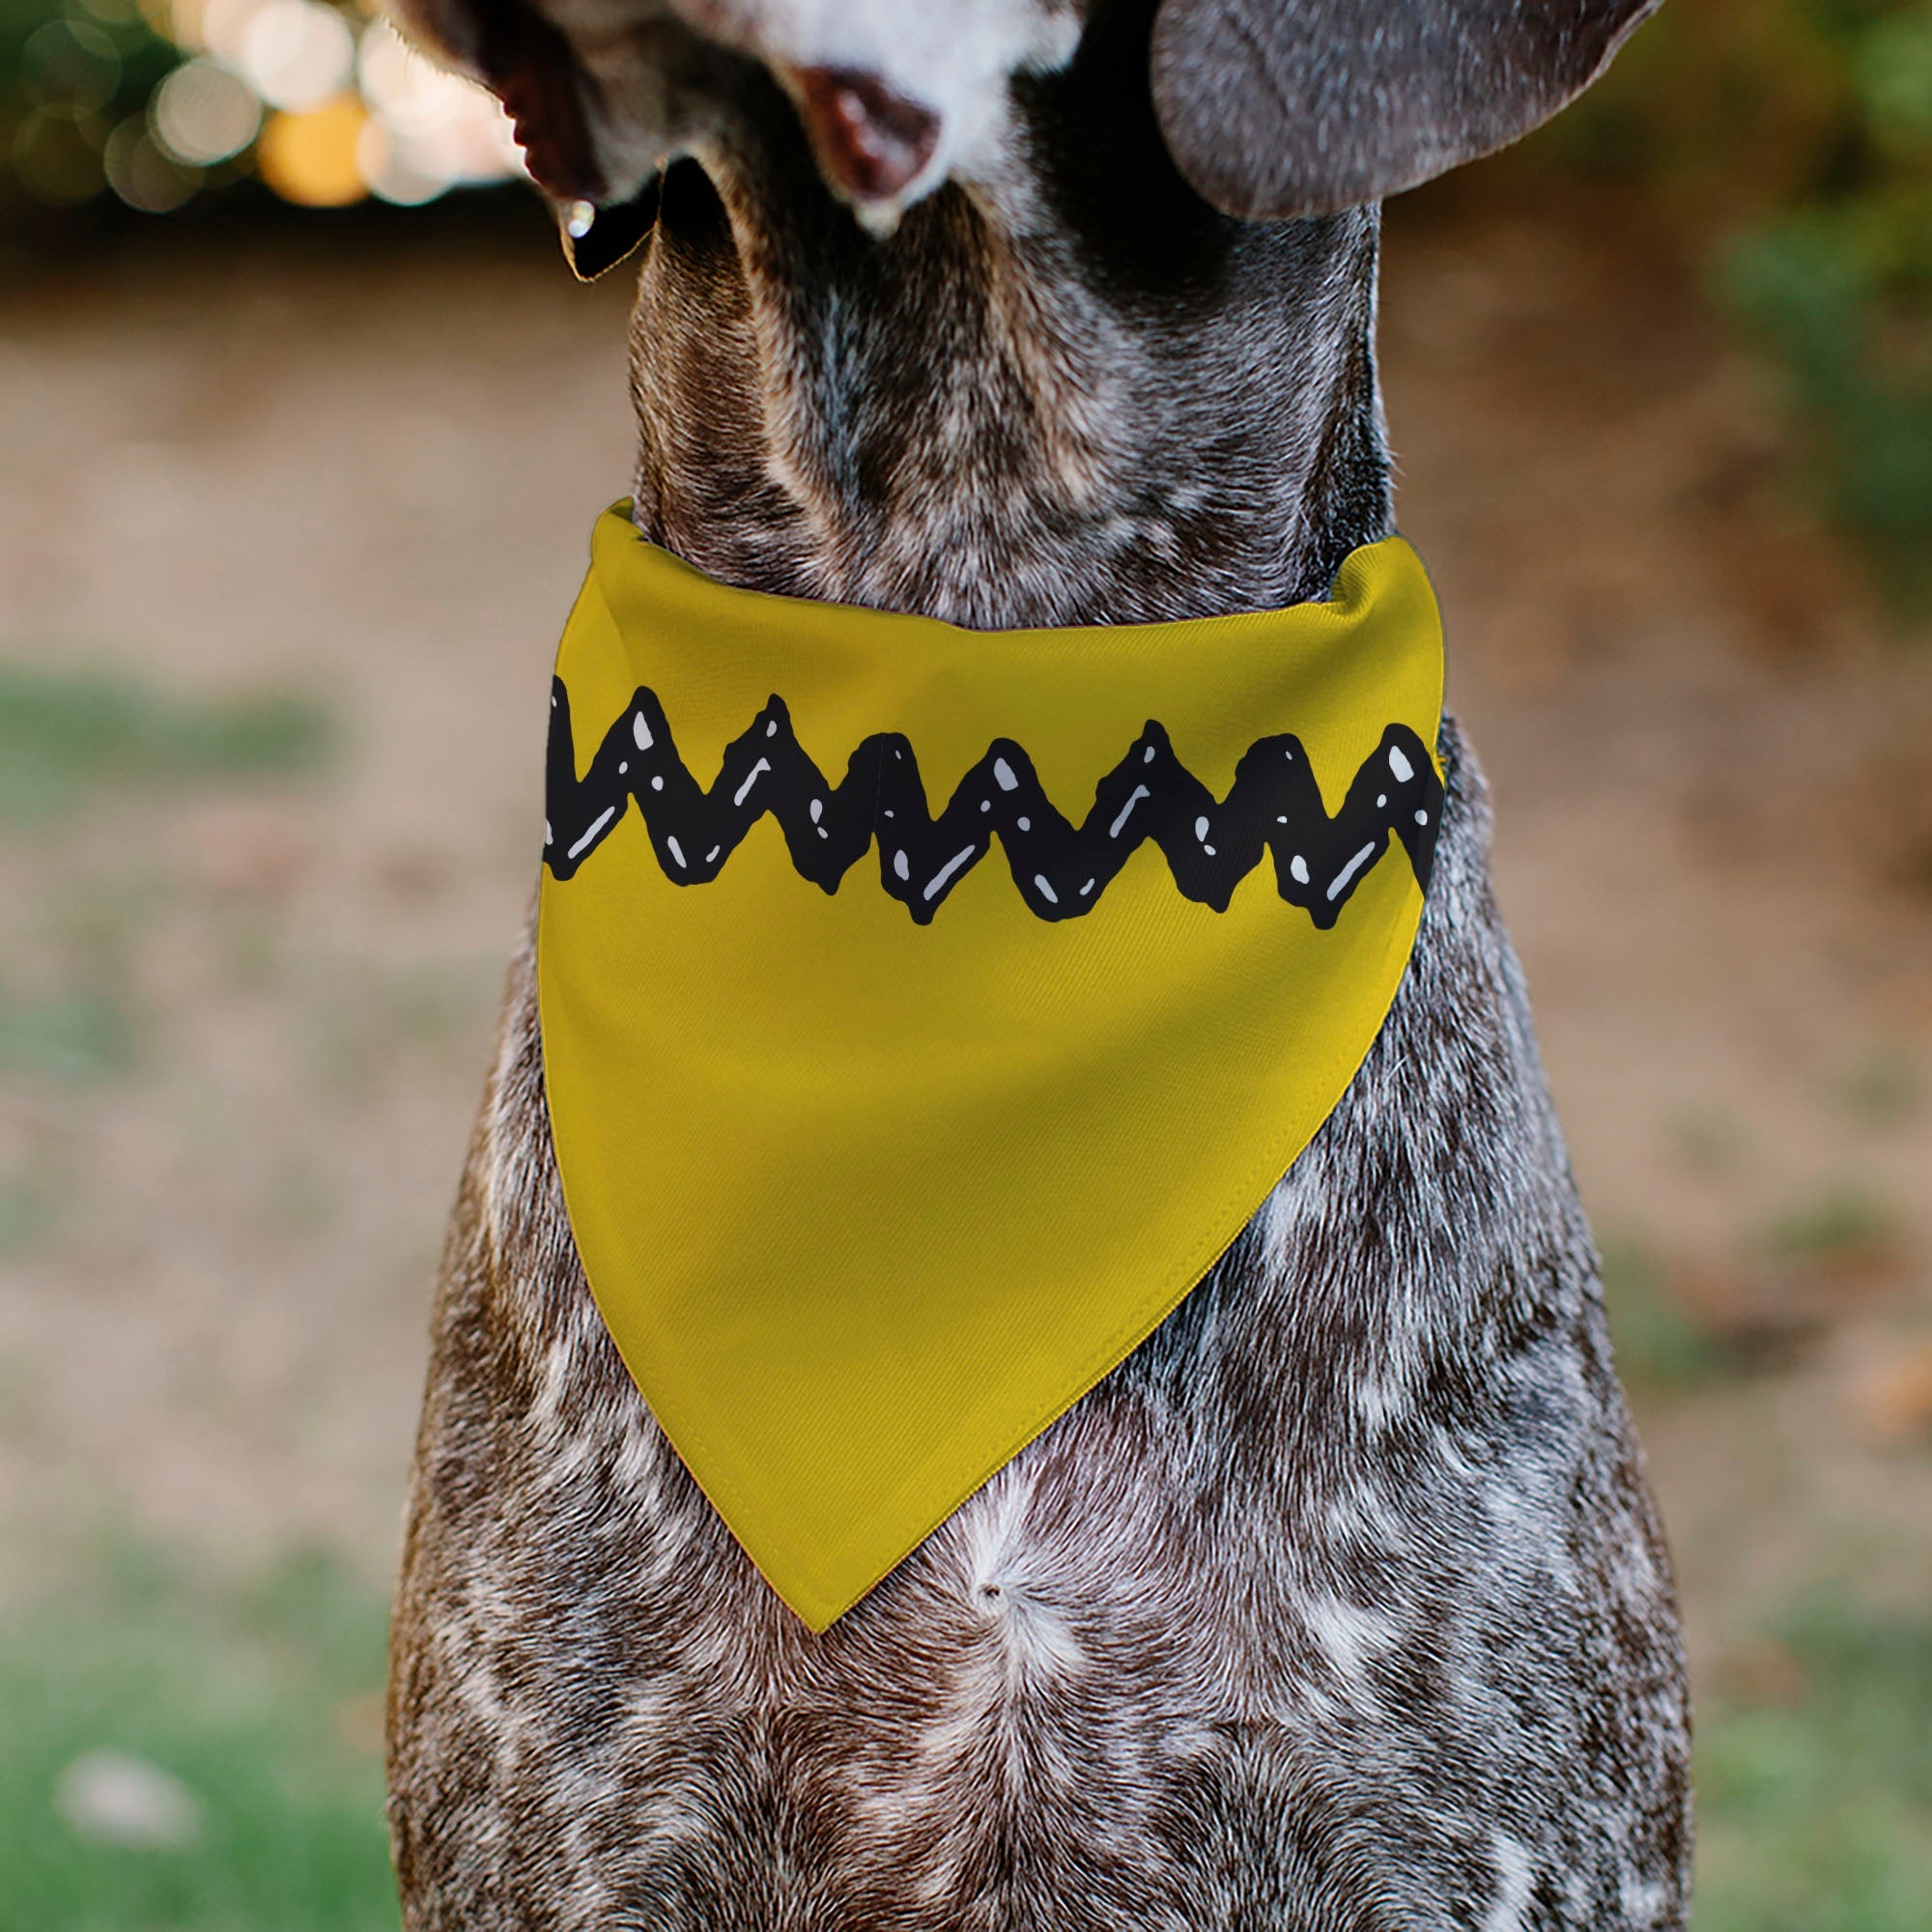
(926, 1009)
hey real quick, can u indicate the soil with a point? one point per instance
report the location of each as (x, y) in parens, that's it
(360, 464)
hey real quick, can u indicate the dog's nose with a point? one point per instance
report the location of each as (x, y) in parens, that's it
(871, 142)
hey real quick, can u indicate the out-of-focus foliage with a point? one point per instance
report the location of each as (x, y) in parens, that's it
(1800, 131)
(157, 103)
(68, 82)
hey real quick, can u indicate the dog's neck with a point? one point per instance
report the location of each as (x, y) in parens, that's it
(1076, 396)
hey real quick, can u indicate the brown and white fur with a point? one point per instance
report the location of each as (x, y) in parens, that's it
(1341, 1605)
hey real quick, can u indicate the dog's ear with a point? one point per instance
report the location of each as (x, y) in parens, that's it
(1286, 107)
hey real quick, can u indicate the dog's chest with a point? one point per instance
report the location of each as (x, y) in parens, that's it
(1318, 1612)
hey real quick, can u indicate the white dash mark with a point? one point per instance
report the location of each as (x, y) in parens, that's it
(1026, 825)
(597, 825)
(1297, 868)
(623, 766)
(1201, 829)
(817, 810)
(1403, 771)
(641, 732)
(823, 834)
(899, 864)
(1004, 772)
(657, 784)
(1208, 849)
(1281, 818)
(712, 854)
(946, 870)
(1350, 870)
(1139, 792)
(985, 805)
(676, 851)
(547, 837)
(772, 729)
(1046, 892)
(1422, 818)
(750, 778)
(1381, 800)
(1147, 756)
(1085, 889)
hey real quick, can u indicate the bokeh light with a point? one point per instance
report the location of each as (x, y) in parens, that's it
(203, 113)
(158, 102)
(142, 175)
(296, 54)
(312, 158)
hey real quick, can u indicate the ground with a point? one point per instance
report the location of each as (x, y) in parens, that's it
(288, 526)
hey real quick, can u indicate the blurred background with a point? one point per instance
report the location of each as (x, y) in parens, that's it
(305, 424)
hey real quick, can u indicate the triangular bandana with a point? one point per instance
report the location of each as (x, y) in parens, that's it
(924, 1009)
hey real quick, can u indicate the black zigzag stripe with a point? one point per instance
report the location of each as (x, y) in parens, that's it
(1061, 869)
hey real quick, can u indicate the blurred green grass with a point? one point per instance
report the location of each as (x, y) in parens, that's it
(261, 1701)
(65, 735)
(72, 738)
(1815, 1803)
(1660, 1345)
(73, 1037)
(1814, 1762)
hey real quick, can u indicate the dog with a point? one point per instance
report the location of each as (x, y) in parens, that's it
(1341, 1605)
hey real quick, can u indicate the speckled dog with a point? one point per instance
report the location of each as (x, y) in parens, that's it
(1341, 1603)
